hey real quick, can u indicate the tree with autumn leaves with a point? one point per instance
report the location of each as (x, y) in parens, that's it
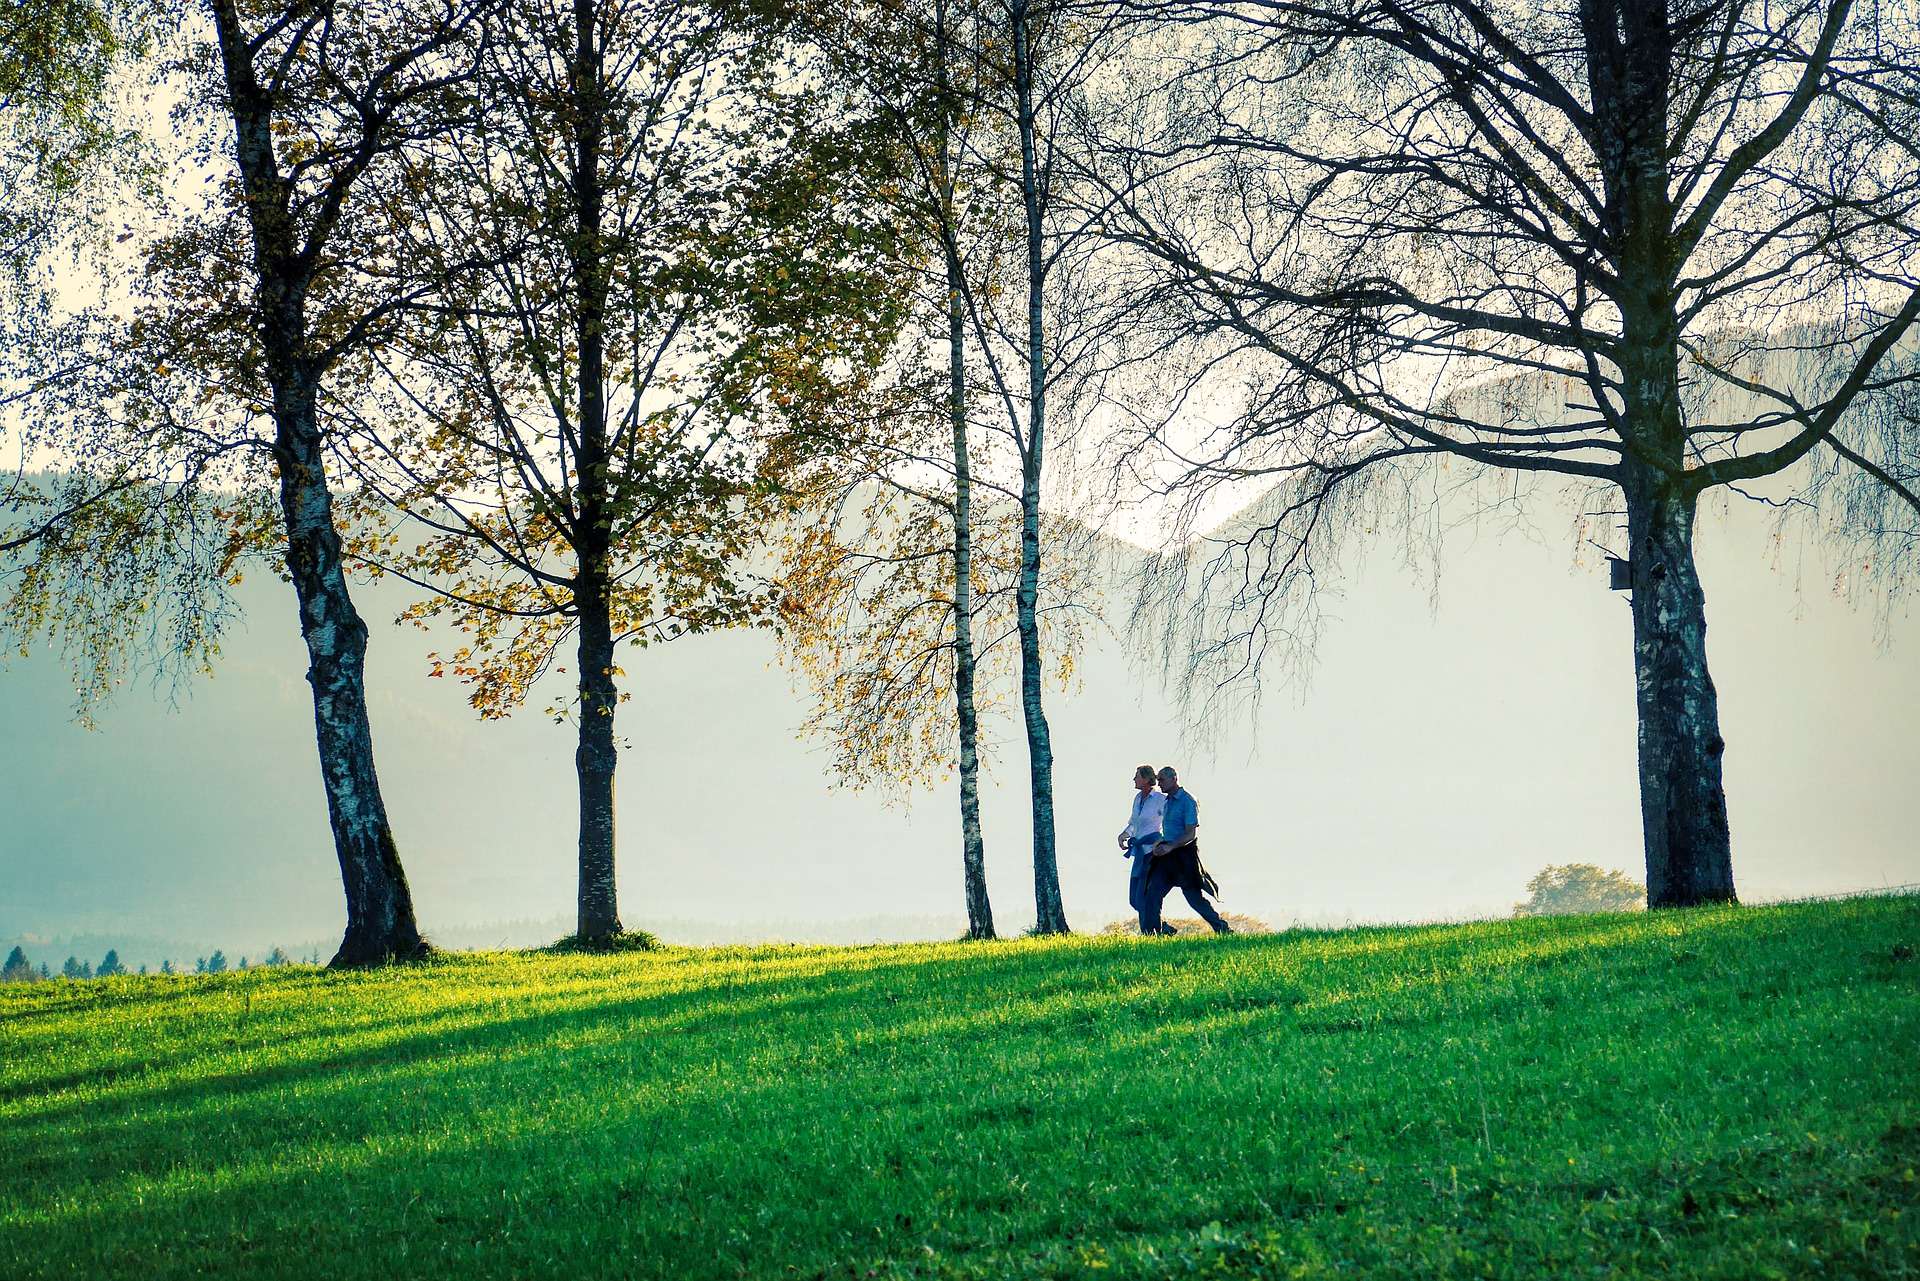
(946, 564)
(679, 288)
(884, 577)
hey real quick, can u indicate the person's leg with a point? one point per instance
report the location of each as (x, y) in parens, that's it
(1159, 880)
(1137, 896)
(1197, 900)
(1149, 908)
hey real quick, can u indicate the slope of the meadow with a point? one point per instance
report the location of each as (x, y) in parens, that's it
(1726, 1093)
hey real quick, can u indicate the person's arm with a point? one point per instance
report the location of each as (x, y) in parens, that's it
(1192, 833)
(1186, 835)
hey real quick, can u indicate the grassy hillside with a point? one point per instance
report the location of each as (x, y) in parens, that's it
(1712, 1094)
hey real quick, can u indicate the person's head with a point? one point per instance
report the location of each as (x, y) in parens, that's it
(1169, 780)
(1143, 778)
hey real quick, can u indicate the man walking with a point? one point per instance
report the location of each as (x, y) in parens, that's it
(1175, 861)
(1140, 835)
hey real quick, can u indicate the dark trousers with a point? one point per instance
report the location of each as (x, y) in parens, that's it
(1180, 868)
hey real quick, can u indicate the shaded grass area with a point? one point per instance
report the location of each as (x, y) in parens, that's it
(1722, 1093)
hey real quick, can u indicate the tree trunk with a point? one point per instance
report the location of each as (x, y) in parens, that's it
(594, 762)
(1683, 804)
(380, 921)
(595, 757)
(973, 855)
(1683, 801)
(1049, 913)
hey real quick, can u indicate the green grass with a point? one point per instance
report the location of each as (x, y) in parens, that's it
(1724, 1093)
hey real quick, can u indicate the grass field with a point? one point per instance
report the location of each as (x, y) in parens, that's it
(1725, 1093)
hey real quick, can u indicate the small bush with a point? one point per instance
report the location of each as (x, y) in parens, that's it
(630, 941)
(1241, 924)
(1574, 888)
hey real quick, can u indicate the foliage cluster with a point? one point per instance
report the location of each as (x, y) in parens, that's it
(1571, 888)
(1240, 921)
(867, 623)
(19, 967)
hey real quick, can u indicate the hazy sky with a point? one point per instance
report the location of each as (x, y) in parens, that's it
(1437, 760)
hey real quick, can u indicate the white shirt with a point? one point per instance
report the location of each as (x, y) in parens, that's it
(1148, 808)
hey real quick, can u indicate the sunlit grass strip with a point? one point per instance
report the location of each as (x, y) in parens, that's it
(1727, 1092)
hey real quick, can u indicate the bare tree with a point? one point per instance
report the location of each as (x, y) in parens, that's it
(1648, 248)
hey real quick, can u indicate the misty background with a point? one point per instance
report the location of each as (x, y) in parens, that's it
(1450, 743)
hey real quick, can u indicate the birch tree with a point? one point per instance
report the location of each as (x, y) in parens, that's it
(886, 628)
(884, 581)
(259, 317)
(1046, 353)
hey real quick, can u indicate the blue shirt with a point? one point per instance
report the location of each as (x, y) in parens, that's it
(1182, 816)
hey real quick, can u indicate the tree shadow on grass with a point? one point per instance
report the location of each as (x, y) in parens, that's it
(1160, 981)
(697, 1185)
(775, 1102)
